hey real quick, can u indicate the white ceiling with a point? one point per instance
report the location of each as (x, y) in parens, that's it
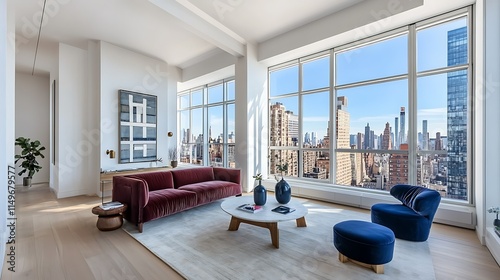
(177, 32)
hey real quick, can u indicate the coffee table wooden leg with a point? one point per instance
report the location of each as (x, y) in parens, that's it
(275, 234)
(234, 224)
(301, 222)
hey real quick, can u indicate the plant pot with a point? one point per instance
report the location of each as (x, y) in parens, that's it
(259, 194)
(26, 181)
(173, 163)
(283, 192)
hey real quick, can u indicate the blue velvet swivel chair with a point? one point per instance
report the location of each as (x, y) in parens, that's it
(412, 219)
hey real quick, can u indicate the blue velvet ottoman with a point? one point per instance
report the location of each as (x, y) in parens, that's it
(368, 244)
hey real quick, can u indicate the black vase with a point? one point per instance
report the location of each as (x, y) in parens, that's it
(259, 194)
(496, 223)
(283, 192)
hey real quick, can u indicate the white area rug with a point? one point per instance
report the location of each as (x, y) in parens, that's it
(197, 244)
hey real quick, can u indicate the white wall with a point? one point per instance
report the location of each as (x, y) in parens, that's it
(7, 118)
(94, 99)
(124, 69)
(74, 151)
(54, 116)
(489, 83)
(32, 119)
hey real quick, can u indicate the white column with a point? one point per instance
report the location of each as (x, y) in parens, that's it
(251, 117)
(487, 131)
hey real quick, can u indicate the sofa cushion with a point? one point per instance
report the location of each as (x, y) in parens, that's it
(168, 201)
(212, 190)
(156, 180)
(192, 175)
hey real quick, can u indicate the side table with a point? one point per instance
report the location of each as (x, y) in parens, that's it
(109, 219)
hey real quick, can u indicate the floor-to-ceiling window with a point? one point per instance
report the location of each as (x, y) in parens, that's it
(299, 117)
(206, 124)
(390, 109)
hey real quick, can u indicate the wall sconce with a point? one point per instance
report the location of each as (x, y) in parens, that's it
(111, 153)
(170, 134)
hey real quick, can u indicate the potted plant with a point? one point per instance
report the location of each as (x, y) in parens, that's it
(172, 154)
(30, 150)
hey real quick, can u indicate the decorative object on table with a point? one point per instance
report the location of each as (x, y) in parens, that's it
(109, 219)
(496, 210)
(137, 136)
(250, 208)
(172, 154)
(30, 150)
(259, 192)
(282, 209)
(111, 205)
(282, 191)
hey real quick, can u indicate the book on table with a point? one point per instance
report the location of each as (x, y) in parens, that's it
(250, 208)
(111, 205)
(283, 209)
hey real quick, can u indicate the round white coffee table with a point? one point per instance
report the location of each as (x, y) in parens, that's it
(264, 218)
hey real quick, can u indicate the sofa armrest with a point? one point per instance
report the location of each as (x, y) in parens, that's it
(227, 174)
(133, 192)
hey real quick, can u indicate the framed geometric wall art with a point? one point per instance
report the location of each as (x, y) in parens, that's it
(138, 117)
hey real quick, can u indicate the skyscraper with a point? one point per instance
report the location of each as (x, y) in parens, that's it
(293, 127)
(402, 119)
(386, 138)
(307, 138)
(396, 136)
(360, 139)
(282, 128)
(438, 145)
(399, 168)
(367, 141)
(425, 140)
(457, 115)
(344, 172)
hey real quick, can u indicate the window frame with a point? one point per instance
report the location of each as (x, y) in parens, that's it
(205, 106)
(412, 77)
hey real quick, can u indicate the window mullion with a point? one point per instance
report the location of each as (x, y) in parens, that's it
(412, 104)
(331, 124)
(301, 127)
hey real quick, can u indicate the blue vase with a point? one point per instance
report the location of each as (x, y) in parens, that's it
(259, 194)
(283, 192)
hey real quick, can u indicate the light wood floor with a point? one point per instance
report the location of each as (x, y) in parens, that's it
(57, 239)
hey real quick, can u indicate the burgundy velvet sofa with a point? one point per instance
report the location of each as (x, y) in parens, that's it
(150, 196)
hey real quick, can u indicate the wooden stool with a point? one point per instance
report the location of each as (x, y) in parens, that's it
(109, 219)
